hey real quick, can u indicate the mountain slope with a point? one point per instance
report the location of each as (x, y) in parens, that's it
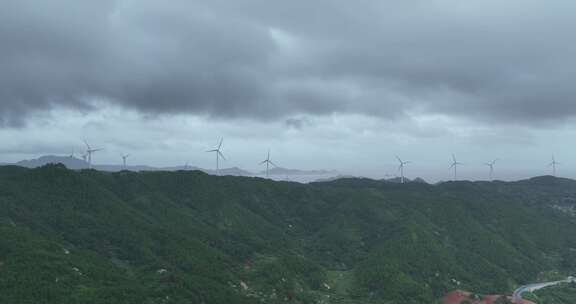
(187, 237)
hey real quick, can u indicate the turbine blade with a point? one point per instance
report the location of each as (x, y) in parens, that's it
(273, 164)
(221, 155)
(398, 158)
(220, 144)
(263, 162)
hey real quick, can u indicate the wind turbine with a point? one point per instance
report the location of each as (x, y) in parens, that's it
(218, 152)
(455, 165)
(89, 152)
(553, 165)
(268, 162)
(491, 165)
(401, 168)
(124, 158)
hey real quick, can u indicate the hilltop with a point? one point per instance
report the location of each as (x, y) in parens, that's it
(188, 237)
(73, 163)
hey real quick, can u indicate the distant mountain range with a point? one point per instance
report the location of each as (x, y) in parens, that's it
(390, 180)
(69, 161)
(406, 180)
(285, 171)
(77, 164)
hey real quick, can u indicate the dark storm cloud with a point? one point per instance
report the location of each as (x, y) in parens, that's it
(488, 60)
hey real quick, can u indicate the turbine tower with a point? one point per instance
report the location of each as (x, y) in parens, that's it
(89, 152)
(553, 165)
(491, 165)
(218, 152)
(455, 165)
(124, 158)
(401, 168)
(268, 162)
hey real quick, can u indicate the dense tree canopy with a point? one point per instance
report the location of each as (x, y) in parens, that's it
(187, 237)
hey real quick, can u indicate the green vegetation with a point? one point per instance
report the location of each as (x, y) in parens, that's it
(562, 294)
(187, 237)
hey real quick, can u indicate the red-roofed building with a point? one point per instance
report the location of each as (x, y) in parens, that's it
(461, 297)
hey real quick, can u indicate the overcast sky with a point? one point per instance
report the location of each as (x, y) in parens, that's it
(325, 84)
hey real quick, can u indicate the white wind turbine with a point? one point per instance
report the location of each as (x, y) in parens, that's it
(124, 158)
(491, 166)
(89, 152)
(218, 152)
(401, 168)
(268, 162)
(553, 165)
(455, 165)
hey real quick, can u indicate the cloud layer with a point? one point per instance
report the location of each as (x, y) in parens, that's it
(501, 62)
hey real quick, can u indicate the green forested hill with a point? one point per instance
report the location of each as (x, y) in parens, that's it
(562, 294)
(187, 237)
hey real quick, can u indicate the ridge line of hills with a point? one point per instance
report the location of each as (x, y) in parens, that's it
(77, 164)
(188, 237)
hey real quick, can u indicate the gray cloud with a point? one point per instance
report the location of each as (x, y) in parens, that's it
(298, 123)
(486, 60)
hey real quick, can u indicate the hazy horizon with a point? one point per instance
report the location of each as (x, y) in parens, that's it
(332, 85)
(431, 175)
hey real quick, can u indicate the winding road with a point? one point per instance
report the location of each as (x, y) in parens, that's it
(517, 295)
